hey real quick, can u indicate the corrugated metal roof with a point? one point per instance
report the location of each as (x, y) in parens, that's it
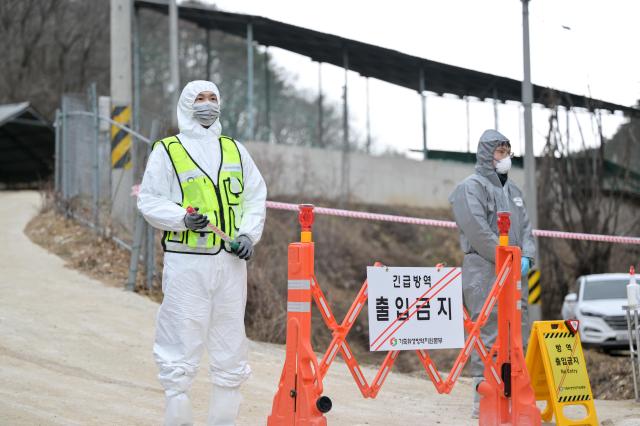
(384, 64)
(9, 111)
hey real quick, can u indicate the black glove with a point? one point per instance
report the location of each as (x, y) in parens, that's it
(195, 220)
(245, 247)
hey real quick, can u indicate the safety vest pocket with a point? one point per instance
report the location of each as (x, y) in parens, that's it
(199, 239)
(234, 218)
(176, 236)
(235, 186)
(233, 190)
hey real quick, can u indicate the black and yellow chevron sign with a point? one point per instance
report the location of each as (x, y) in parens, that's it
(535, 293)
(121, 139)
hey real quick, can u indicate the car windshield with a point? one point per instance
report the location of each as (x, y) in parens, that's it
(609, 289)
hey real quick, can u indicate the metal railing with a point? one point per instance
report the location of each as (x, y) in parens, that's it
(634, 345)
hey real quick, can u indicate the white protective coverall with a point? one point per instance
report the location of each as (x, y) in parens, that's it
(476, 202)
(204, 295)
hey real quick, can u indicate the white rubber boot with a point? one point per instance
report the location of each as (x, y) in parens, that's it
(224, 406)
(178, 410)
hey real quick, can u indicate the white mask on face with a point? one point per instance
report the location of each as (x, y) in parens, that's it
(206, 113)
(503, 166)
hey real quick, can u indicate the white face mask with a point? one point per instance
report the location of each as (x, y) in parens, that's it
(206, 113)
(503, 166)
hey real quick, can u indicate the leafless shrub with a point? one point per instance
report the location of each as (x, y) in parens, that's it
(581, 190)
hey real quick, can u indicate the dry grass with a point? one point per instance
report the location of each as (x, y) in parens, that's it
(98, 257)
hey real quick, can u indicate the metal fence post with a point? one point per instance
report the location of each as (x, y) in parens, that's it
(56, 173)
(64, 163)
(250, 123)
(96, 153)
(138, 227)
(150, 254)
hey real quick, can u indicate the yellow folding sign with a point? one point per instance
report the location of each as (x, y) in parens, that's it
(558, 371)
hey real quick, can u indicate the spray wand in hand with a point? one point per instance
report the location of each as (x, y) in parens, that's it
(219, 232)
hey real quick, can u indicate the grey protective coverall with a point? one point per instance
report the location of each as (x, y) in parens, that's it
(475, 203)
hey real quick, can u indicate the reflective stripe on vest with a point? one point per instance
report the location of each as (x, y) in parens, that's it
(221, 201)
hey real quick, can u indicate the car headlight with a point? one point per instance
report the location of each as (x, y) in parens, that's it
(587, 313)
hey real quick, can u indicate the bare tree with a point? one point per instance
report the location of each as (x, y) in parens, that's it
(580, 190)
(51, 47)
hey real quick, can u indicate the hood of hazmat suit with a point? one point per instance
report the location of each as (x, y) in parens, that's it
(160, 193)
(476, 202)
(204, 295)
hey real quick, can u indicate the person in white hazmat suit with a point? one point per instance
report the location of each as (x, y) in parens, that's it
(476, 202)
(204, 282)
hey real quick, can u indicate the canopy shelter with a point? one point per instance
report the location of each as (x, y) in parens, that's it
(391, 66)
(27, 142)
(384, 64)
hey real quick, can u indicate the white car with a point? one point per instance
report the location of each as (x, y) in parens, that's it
(598, 306)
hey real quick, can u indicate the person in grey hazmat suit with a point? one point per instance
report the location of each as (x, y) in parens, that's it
(204, 281)
(476, 202)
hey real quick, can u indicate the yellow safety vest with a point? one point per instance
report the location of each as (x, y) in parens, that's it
(221, 201)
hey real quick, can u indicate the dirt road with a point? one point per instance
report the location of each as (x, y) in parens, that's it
(76, 352)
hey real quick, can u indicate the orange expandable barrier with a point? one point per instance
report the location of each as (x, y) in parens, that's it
(506, 393)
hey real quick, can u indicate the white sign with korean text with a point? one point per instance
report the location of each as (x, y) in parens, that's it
(414, 308)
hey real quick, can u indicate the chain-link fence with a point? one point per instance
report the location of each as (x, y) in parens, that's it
(89, 189)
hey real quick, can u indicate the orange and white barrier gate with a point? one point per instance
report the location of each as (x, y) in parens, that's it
(506, 393)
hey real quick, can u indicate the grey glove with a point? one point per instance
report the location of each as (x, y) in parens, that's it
(245, 247)
(195, 221)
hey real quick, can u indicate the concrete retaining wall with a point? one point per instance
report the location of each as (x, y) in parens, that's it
(312, 172)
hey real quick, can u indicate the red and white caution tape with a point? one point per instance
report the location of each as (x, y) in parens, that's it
(448, 224)
(439, 223)
(618, 239)
(365, 215)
